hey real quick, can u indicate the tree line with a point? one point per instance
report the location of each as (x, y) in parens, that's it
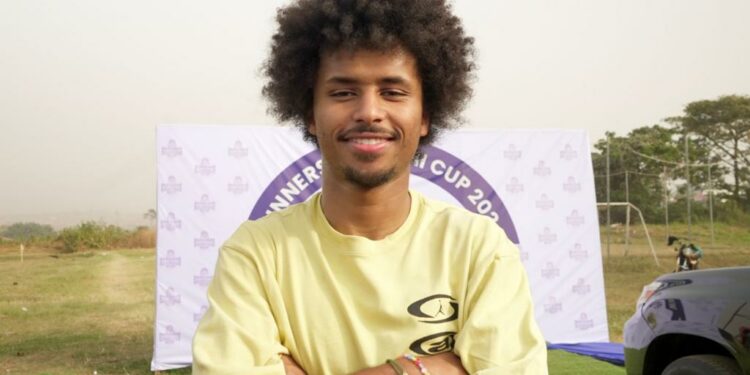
(708, 145)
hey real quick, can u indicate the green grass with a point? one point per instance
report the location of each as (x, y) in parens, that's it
(564, 363)
(76, 313)
(84, 312)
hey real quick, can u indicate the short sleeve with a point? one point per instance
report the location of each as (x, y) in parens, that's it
(238, 334)
(499, 334)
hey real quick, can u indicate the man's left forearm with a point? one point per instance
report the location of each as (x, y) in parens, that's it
(443, 364)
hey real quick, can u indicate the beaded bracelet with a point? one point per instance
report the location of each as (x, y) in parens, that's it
(396, 367)
(422, 369)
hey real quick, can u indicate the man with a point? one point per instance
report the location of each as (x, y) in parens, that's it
(368, 271)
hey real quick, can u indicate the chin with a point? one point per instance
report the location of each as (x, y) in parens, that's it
(369, 180)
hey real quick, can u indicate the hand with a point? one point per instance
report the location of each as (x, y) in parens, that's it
(291, 367)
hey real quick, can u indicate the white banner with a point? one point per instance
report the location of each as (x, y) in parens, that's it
(536, 184)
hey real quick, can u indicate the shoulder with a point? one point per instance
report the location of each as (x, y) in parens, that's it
(454, 217)
(266, 232)
(481, 232)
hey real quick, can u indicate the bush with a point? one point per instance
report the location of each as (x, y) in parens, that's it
(92, 235)
(141, 238)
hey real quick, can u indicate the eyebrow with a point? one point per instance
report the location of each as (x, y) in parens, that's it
(392, 80)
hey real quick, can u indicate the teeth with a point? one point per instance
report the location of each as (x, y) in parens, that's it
(368, 141)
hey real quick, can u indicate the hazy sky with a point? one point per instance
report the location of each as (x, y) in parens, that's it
(83, 83)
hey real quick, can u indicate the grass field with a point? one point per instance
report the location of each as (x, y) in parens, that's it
(85, 312)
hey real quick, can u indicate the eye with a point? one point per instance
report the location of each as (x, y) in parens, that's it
(342, 93)
(393, 93)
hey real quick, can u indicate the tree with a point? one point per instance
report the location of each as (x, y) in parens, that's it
(724, 125)
(641, 155)
(651, 159)
(150, 215)
(26, 231)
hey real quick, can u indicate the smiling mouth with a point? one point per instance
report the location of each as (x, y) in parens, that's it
(368, 141)
(368, 146)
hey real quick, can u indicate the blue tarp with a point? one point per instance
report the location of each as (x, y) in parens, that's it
(606, 351)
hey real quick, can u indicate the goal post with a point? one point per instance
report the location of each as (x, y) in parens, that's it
(643, 222)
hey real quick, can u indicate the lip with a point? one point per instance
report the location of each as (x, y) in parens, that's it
(373, 145)
(368, 142)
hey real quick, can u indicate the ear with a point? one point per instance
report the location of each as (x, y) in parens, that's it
(311, 128)
(424, 127)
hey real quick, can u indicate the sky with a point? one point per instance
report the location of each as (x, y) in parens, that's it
(84, 83)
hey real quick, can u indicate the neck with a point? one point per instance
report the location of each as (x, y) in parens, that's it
(372, 213)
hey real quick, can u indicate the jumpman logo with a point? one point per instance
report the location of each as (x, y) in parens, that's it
(440, 311)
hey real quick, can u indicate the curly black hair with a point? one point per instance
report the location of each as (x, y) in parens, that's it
(425, 28)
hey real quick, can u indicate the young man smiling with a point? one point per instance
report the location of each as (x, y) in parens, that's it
(368, 276)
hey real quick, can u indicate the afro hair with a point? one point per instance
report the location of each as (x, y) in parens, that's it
(425, 28)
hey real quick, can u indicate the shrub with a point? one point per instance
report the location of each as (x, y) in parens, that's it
(141, 238)
(92, 235)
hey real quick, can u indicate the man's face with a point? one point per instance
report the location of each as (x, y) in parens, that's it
(368, 115)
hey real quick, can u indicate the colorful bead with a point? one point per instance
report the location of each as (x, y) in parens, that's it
(422, 369)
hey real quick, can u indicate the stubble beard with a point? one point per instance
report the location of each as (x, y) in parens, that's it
(368, 180)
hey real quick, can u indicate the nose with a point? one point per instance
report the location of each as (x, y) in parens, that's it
(369, 108)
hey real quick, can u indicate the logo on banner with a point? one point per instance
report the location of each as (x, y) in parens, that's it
(204, 241)
(550, 271)
(581, 287)
(568, 153)
(237, 186)
(301, 179)
(524, 253)
(171, 223)
(583, 322)
(542, 169)
(204, 205)
(199, 315)
(169, 336)
(514, 186)
(578, 253)
(547, 236)
(205, 168)
(574, 219)
(203, 278)
(552, 305)
(237, 150)
(170, 298)
(171, 150)
(171, 260)
(171, 186)
(512, 153)
(544, 203)
(571, 186)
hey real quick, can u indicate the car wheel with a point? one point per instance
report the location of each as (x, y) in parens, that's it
(703, 365)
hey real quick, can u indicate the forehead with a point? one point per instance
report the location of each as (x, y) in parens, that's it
(365, 64)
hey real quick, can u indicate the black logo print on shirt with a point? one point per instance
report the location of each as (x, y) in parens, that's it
(434, 344)
(437, 308)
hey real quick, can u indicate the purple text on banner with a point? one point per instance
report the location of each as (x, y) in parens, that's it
(302, 178)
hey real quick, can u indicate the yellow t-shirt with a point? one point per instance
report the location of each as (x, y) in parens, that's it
(447, 279)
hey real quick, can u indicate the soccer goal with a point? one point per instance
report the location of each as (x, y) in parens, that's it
(628, 207)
